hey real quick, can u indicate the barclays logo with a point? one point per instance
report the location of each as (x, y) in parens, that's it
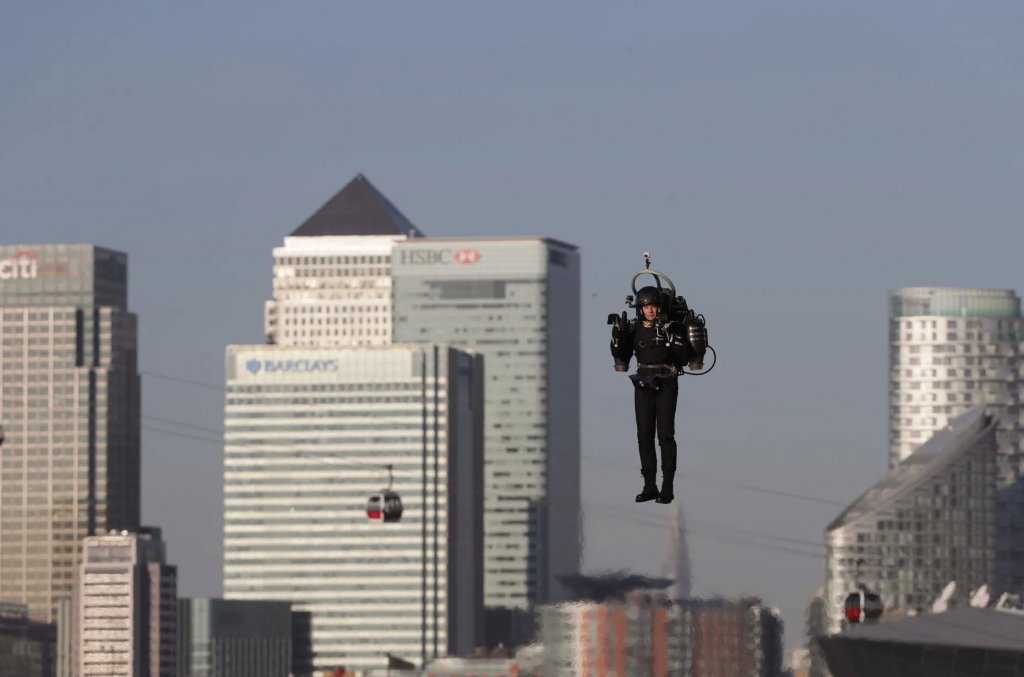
(291, 366)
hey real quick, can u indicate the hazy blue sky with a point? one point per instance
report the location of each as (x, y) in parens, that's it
(788, 163)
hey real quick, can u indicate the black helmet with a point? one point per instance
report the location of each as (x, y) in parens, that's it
(648, 296)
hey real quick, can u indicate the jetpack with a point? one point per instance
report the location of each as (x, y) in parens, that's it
(692, 327)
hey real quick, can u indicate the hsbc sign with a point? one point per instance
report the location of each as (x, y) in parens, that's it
(24, 265)
(441, 257)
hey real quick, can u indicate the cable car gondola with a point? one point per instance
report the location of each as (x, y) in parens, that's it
(385, 506)
(862, 607)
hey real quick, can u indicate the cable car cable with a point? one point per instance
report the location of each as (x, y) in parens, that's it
(588, 457)
(187, 381)
(186, 436)
(169, 421)
(701, 524)
(725, 538)
(604, 460)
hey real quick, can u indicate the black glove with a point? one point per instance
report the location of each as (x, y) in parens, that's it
(620, 330)
(619, 326)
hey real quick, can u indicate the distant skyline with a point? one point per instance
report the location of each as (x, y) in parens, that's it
(787, 165)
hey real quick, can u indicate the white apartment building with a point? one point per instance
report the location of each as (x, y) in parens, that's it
(951, 349)
(127, 607)
(309, 433)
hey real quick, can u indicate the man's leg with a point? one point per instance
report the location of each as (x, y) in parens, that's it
(665, 405)
(644, 405)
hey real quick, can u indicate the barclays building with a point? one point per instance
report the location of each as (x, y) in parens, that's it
(312, 436)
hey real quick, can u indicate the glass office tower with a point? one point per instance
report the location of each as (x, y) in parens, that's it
(225, 638)
(309, 436)
(516, 301)
(70, 413)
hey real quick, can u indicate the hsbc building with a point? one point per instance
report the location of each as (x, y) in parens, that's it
(357, 274)
(491, 296)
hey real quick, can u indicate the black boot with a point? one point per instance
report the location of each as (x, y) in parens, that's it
(666, 494)
(650, 491)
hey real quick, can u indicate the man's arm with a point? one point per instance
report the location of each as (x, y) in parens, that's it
(622, 341)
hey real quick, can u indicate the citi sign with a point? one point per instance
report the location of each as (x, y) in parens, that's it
(291, 366)
(24, 265)
(440, 256)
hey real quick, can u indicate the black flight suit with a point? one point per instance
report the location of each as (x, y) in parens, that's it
(660, 352)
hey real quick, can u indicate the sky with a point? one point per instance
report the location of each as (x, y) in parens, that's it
(786, 163)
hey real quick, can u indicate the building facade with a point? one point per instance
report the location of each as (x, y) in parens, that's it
(648, 633)
(515, 301)
(69, 406)
(332, 278)
(27, 648)
(950, 350)
(734, 637)
(359, 273)
(309, 436)
(233, 638)
(331, 291)
(929, 521)
(127, 607)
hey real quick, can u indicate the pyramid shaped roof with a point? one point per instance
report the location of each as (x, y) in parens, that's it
(357, 209)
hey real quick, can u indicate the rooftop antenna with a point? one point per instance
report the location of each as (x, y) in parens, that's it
(981, 597)
(941, 603)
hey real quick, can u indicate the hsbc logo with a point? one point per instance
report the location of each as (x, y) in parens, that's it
(441, 257)
(24, 265)
(466, 256)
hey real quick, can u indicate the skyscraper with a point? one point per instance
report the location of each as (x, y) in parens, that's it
(310, 435)
(69, 406)
(332, 277)
(677, 563)
(358, 273)
(224, 638)
(127, 607)
(516, 301)
(950, 350)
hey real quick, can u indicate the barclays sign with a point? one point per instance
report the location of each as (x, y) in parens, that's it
(291, 366)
